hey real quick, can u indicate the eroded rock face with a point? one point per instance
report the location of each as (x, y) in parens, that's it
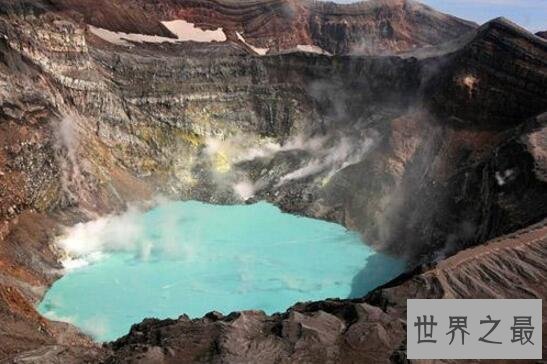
(426, 152)
(332, 331)
(494, 88)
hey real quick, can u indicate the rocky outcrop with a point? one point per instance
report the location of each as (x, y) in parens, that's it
(330, 331)
(495, 88)
(426, 152)
(457, 158)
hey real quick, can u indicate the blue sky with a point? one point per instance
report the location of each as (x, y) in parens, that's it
(530, 14)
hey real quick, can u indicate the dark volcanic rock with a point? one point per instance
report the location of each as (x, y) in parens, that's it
(335, 331)
(495, 80)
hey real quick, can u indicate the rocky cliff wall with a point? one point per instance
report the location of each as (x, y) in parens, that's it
(116, 119)
(368, 27)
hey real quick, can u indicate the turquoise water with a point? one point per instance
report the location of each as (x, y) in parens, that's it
(193, 258)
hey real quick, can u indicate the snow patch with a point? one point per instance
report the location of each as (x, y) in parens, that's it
(502, 178)
(305, 48)
(185, 32)
(312, 49)
(259, 51)
(125, 39)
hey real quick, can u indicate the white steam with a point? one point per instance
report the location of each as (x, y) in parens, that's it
(225, 153)
(67, 142)
(69, 137)
(110, 233)
(241, 148)
(96, 326)
(330, 158)
(244, 189)
(329, 154)
(86, 243)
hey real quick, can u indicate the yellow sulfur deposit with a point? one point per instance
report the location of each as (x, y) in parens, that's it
(221, 163)
(194, 139)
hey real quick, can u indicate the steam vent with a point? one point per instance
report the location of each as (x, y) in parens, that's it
(261, 181)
